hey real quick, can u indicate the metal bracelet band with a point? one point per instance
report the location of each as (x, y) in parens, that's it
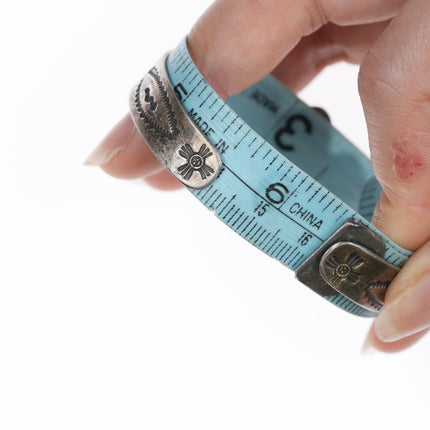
(170, 133)
(341, 257)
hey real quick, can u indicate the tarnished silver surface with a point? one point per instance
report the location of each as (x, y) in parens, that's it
(357, 273)
(351, 263)
(170, 133)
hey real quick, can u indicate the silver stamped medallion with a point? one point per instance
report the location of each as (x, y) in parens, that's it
(357, 273)
(350, 262)
(170, 133)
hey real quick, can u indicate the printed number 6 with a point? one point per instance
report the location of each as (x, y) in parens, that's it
(276, 193)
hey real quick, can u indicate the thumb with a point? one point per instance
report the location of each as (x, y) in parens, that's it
(394, 86)
(395, 89)
(407, 303)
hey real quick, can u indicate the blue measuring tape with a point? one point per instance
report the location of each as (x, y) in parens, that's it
(243, 156)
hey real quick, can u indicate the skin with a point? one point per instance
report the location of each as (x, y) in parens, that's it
(237, 42)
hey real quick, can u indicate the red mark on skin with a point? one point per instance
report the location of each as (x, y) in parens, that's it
(408, 158)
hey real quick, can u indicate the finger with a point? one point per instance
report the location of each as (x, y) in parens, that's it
(124, 154)
(236, 43)
(163, 181)
(395, 90)
(232, 62)
(405, 318)
(407, 306)
(373, 343)
(331, 43)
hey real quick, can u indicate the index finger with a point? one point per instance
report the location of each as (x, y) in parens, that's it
(235, 44)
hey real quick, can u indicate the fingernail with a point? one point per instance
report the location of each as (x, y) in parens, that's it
(409, 311)
(101, 155)
(114, 143)
(369, 344)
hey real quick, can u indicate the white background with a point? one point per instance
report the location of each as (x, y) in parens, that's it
(111, 316)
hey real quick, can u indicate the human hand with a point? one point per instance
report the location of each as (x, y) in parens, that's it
(390, 40)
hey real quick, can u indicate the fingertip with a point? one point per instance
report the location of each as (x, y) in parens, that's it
(164, 181)
(112, 144)
(124, 154)
(369, 347)
(372, 344)
(402, 220)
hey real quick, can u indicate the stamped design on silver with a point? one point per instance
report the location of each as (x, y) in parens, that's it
(196, 161)
(159, 116)
(354, 270)
(375, 293)
(172, 135)
(344, 270)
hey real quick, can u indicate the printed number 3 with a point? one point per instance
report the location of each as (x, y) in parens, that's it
(290, 129)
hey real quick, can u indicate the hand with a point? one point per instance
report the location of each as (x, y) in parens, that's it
(295, 40)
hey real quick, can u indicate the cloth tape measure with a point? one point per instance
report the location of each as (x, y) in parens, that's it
(240, 158)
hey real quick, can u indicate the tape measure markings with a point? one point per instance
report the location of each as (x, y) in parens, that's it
(276, 208)
(260, 193)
